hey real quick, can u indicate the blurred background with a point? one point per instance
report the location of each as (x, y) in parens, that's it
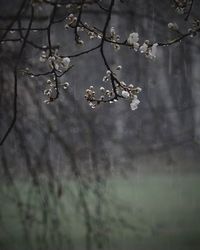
(111, 178)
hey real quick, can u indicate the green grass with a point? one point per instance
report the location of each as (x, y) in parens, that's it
(139, 212)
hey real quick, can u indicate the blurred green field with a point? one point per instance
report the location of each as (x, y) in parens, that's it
(140, 212)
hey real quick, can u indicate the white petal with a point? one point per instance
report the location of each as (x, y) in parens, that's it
(125, 94)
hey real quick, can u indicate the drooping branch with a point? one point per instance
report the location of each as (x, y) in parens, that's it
(15, 73)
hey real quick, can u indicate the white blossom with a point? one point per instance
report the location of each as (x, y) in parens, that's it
(105, 78)
(151, 52)
(133, 38)
(102, 89)
(138, 89)
(66, 26)
(46, 101)
(154, 50)
(80, 42)
(43, 57)
(122, 83)
(65, 85)
(136, 46)
(173, 26)
(119, 67)
(108, 72)
(116, 47)
(112, 31)
(144, 48)
(92, 105)
(66, 62)
(56, 65)
(71, 19)
(47, 92)
(125, 94)
(135, 102)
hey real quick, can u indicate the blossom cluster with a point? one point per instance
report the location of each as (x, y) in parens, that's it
(148, 49)
(120, 90)
(117, 88)
(192, 30)
(181, 6)
(52, 87)
(114, 38)
(55, 61)
(71, 22)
